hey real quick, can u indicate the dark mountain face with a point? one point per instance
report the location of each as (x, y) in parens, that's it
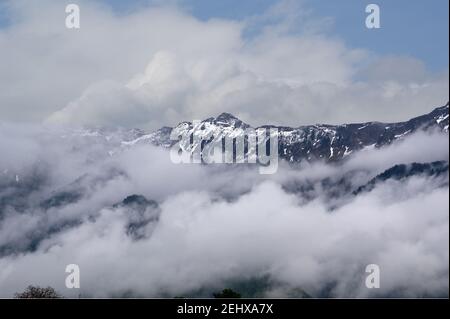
(140, 212)
(338, 190)
(329, 143)
(403, 171)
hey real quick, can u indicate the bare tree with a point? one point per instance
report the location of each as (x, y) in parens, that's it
(36, 292)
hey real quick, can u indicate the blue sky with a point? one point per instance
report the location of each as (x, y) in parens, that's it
(416, 28)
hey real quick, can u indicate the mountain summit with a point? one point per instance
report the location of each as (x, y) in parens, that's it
(228, 119)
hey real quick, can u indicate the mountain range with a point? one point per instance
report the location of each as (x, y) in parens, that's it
(329, 143)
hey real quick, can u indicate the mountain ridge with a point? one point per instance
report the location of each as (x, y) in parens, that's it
(312, 142)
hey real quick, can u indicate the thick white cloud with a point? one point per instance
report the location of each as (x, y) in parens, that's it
(173, 88)
(159, 66)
